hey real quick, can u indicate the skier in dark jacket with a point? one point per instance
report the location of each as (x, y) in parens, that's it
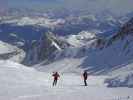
(56, 76)
(85, 76)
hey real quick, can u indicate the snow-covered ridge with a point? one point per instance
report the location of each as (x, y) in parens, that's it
(11, 64)
(122, 77)
(81, 39)
(41, 21)
(69, 23)
(13, 53)
(5, 48)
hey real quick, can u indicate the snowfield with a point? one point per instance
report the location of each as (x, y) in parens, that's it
(18, 82)
(11, 52)
(122, 77)
(6, 48)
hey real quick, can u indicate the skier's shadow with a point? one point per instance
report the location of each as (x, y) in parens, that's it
(89, 85)
(81, 85)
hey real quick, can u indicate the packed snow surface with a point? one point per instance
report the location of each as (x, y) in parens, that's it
(18, 82)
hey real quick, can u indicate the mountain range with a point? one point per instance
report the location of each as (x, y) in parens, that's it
(99, 44)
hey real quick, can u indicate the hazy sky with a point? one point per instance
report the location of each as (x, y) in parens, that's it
(117, 6)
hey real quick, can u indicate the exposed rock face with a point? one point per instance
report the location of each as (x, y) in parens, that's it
(45, 49)
(127, 29)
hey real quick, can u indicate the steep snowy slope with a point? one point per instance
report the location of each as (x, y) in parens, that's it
(44, 49)
(72, 53)
(98, 55)
(5, 48)
(122, 77)
(13, 53)
(93, 60)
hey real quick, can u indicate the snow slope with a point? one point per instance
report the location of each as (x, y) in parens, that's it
(11, 52)
(98, 59)
(5, 48)
(122, 77)
(66, 65)
(18, 82)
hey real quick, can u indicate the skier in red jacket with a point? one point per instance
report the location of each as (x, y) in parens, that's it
(85, 76)
(56, 76)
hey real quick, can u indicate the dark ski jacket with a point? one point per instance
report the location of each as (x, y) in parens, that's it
(56, 76)
(85, 75)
